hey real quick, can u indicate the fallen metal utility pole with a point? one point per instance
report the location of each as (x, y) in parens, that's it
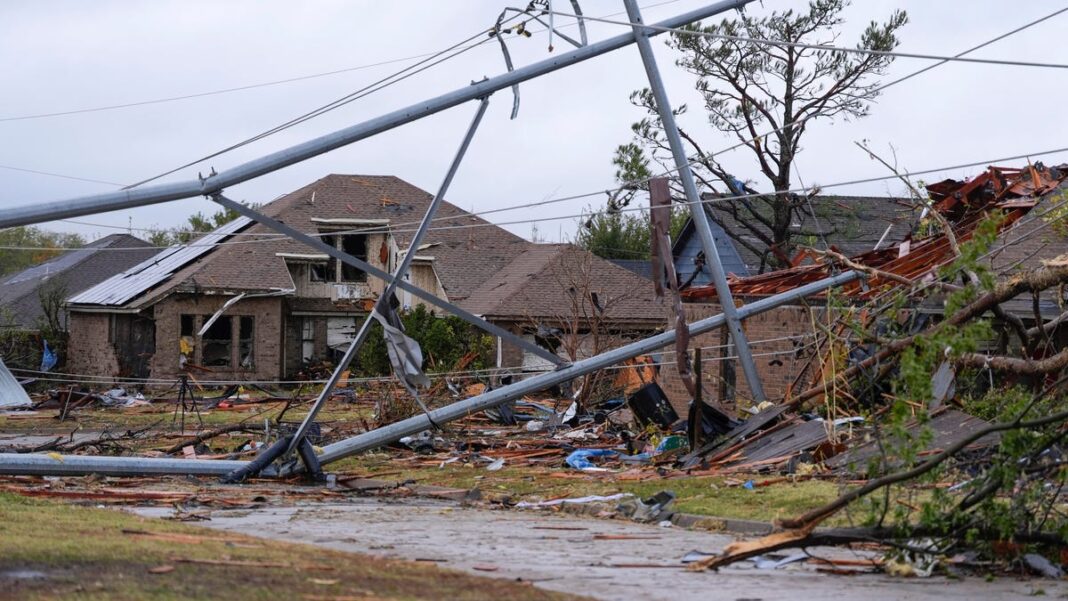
(697, 209)
(136, 197)
(19, 463)
(489, 400)
(398, 274)
(214, 184)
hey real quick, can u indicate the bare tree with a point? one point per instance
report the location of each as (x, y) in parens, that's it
(580, 324)
(753, 76)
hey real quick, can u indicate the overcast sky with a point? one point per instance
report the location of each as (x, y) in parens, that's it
(67, 55)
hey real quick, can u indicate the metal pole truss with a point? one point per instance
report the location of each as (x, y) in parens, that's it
(398, 276)
(137, 197)
(213, 186)
(20, 463)
(697, 209)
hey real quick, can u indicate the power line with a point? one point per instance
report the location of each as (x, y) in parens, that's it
(827, 47)
(253, 86)
(871, 93)
(634, 184)
(397, 228)
(381, 84)
(211, 92)
(60, 175)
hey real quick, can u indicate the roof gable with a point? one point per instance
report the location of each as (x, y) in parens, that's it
(467, 249)
(853, 224)
(538, 283)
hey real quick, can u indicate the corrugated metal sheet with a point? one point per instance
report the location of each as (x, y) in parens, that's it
(12, 394)
(120, 289)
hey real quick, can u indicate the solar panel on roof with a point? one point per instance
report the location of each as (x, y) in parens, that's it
(121, 288)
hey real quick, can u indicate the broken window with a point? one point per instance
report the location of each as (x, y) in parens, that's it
(307, 339)
(355, 245)
(317, 272)
(216, 345)
(246, 334)
(187, 328)
(351, 244)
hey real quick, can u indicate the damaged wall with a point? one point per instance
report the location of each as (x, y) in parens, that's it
(266, 314)
(778, 371)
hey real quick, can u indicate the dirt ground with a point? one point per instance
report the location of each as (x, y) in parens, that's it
(606, 559)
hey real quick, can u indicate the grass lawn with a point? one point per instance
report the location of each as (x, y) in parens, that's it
(715, 496)
(53, 550)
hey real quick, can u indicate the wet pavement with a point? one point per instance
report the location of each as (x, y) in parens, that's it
(605, 559)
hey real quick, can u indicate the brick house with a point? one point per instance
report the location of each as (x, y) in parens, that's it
(281, 305)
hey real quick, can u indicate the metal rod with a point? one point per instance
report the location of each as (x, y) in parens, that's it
(398, 275)
(392, 432)
(136, 197)
(45, 465)
(700, 219)
(39, 464)
(366, 267)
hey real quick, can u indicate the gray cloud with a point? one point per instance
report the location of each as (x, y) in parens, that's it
(60, 55)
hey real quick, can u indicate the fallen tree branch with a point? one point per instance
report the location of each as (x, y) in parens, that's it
(1053, 274)
(794, 539)
(815, 516)
(1023, 367)
(199, 438)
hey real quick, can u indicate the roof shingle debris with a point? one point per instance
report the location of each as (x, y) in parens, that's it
(964, 204)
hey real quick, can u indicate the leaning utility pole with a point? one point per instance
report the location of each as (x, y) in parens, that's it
(213, 186)
(697, 209)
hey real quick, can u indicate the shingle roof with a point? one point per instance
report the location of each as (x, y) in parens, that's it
(535, 286)
(75, 271)
(639, 267)
(1023, 247)
(854, 224)
(464, 258)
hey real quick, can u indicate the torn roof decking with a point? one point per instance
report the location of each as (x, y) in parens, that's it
(964, 204)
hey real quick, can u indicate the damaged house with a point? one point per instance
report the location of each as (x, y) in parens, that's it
(248, 304)
(785, 341)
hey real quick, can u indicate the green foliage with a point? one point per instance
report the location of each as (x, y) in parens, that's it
(623, 235)
(1017, 490)
(1057, 218)
(37, 245)
(444, 341)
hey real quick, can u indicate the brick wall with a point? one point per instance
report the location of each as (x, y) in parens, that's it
(267, 339)
(88, 348)
(779, 362)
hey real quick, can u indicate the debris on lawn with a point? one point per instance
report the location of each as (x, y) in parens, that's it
(933, 393)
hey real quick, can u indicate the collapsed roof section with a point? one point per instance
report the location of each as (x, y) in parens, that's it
(963, 205)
